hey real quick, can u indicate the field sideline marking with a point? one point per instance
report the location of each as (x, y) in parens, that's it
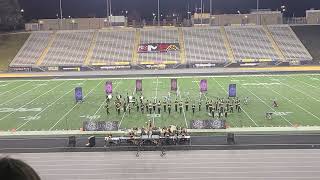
(290, 101)
(26, 92)
(32, 100)
(143, 77)
(46, 107)
(74, 106)
(184, 114)
(242, 108)
(266, 104)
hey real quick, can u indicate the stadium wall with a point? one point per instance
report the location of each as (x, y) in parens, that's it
(309, 36)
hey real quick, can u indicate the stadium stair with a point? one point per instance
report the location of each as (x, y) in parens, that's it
(275, 46)
(182, 49)
(46, 50)
(90, 50)
(227, 46)
(135, 48)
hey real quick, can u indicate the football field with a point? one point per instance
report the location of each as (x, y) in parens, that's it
(29, 104)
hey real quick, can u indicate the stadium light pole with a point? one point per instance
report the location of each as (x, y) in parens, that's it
(158, 12)
(201, 4)
(60, 14)
(258, 12)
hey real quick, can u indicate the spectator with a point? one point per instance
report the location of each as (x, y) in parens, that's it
(15, 169)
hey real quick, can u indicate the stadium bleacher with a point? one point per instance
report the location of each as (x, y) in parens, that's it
(32, 49)
(250, 42)
(113, 47)
(289, 43)
(69, 48)
(204, 45)
(198, 45)
(159, 35)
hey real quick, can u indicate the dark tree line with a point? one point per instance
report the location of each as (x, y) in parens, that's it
(10, 15)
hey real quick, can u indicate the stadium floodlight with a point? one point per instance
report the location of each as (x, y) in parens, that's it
(22, 10)
(238, 12)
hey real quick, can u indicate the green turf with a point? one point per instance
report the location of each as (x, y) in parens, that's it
(49, 104)
(10, 44)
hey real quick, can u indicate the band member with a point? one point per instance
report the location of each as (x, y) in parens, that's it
(199, 105)
(226, 114)
(207, 105)
(187, 105)
(147, 105)
(221, 108)
(128, 98)
(176, 105)
(118, 108)
(210, 107)
(239, 107)
(159, 107)
(137, 106)
(169, 108)
(154, 106)
(220, 114)
(129, 108)
(124, 106)
(180, 106)
(193, 108)
(231, 108)
(246, 101)
(165, 106)
(142, 109)
(107, 108)
(150, 108)
(275, 104)
(212, 113)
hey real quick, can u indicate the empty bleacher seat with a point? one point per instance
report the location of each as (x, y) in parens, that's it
(204, 45)
(113, 47)
(289, 43)
(250, 42)
(69, 48)
(32, 49)
(159, 35)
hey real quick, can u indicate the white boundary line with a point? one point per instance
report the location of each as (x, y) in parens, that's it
(32, 101)
(143, 77)
(46, 108)
(266, 104)
(289, 100)
(75, 106)
(184, 114)
(242, 108)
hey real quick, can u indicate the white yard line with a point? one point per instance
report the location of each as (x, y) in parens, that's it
(75, 106)
(304, 82)
(32, 100)
(184, 114)
(21, 94)
(242, 108)
(51, 104)
(15, 88)
(267, 104)
(299, 91)
(290, 101)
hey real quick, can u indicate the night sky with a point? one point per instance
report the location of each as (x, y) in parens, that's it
(35, 9)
